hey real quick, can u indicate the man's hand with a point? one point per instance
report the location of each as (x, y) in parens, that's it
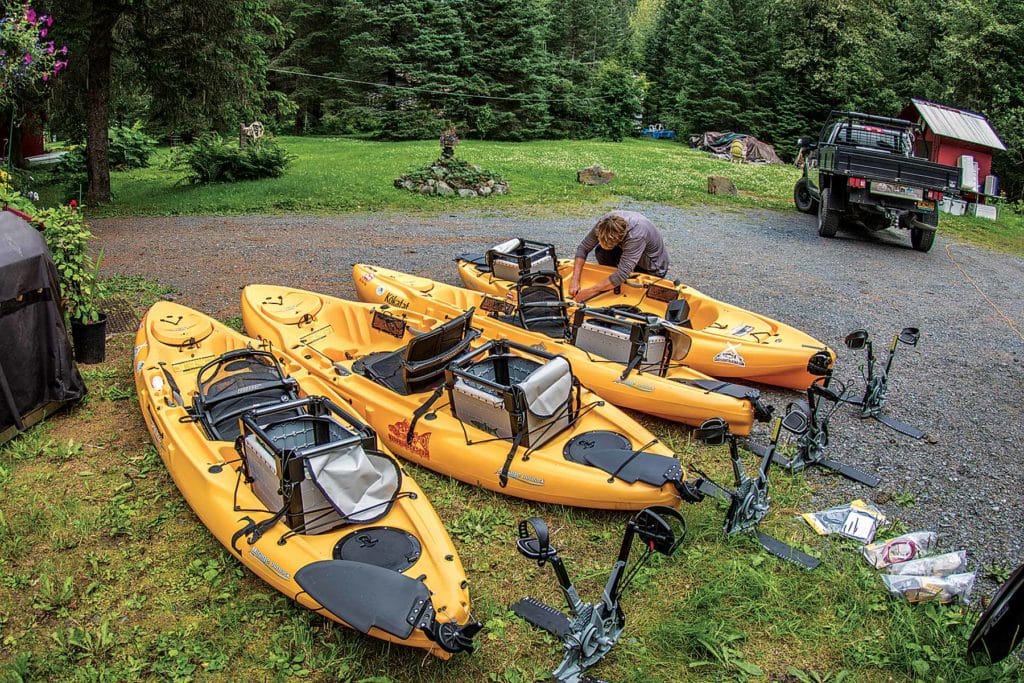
(574, 286)
(581, 295)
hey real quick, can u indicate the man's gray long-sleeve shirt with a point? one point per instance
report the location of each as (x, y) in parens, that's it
(642, 247)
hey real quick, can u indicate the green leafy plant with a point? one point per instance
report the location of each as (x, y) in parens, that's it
(130, 147)
(53, 596)
(68, 238)
(212, 159)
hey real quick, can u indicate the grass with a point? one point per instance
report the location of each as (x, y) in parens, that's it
(105, 574)
(345, 175)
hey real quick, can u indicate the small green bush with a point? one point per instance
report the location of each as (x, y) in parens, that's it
(68, 237)
(130, 147)
(211, 159)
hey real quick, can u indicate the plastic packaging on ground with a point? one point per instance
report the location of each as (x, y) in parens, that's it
(935, 565)
(900, 549)
(858, 520)
(942, 589)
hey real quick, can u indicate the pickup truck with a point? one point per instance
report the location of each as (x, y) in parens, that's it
(866, 172)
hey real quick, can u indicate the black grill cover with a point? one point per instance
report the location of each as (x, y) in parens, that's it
(37, 369)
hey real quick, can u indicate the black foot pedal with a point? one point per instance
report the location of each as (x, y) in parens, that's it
(901, 427)
(543, 616)
(851, 472)
(786, 552)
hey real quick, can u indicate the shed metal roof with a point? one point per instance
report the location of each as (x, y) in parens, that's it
(958, 124)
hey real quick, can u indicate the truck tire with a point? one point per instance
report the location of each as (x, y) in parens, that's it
(920, 239)
(828, 219)
(802, 196)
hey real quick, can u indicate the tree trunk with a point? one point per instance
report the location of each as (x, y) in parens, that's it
(97, 97)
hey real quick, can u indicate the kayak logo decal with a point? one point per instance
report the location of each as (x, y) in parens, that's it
(525, 478)
(639, 386)
(366, 277)
(730, 356)
(271, 565)
(393, 299)
(420, 444)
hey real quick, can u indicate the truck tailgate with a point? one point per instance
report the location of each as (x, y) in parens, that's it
(881, 166)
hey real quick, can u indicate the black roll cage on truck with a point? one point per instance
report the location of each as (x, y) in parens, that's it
(862, 169)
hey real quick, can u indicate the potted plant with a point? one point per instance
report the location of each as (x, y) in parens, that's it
(68, 238)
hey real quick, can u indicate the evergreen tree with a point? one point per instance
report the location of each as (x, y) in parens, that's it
(506, 60)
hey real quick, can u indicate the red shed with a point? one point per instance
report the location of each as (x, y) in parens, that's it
(950, 133)
(31, 137)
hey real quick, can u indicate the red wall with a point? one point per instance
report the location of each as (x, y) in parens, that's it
(31, 138)
(948, 151)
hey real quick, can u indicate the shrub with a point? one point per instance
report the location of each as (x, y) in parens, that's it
(68, 238)
(211, 159)
(130, 147)
(70, 172)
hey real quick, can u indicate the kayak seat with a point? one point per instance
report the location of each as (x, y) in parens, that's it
(632, 339)
(316, 465)
(541, 305)
(512, 396)
(419, 365)
(234, 384)
(516, 257)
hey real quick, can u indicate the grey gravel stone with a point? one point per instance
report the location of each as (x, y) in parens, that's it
(961, 384)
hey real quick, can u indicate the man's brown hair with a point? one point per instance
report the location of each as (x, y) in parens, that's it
(610, 231)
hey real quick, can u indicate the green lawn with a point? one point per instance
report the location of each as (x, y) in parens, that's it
(335, 175)
(106, 575)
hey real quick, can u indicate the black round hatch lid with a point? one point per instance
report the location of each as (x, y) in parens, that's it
(382, 546)
(577, 447)
(1001, 626)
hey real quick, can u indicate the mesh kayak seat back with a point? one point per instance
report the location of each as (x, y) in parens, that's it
(316, 466)
(419, 365)
(623, 337)
(235, 383)
(527, 400)
(509, 260)
(540, 304)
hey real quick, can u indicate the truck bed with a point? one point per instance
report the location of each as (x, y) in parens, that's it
(876, 165)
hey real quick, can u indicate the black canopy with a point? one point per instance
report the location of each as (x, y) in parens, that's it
(37, 369)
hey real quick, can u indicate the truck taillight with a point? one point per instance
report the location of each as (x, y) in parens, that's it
(935, 195)
(858, 183)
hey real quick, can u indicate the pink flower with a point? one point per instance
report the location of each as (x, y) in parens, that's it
(64, 50)
(48, 19)
(30, 15)
(28, 58)
(50, 48)
(58, 65)
(42, 33)
(73, 204)
(46, 77)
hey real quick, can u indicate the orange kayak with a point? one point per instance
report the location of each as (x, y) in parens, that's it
(668, 390)
(728, 342)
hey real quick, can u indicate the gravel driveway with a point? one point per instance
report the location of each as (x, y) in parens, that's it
(961, 384)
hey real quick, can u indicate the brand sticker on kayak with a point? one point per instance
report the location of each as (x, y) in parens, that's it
(366, 277)
(730, 356)
(271, 565)
(420, 444)
(639, 386)
(394, 300)
(525, 478)
(742, 330)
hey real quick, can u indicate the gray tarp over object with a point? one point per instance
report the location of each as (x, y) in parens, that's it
(37, 369)
(718, 144)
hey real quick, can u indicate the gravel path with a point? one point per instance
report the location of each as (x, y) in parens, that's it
(961, 384)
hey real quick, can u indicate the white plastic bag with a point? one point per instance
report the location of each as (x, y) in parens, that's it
(900, 549)
(935, 565)
(942, 589)
(858, 520)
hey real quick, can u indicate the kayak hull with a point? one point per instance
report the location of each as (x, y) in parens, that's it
(668, 397)
(173, 343)
(327, 336)
(728, 342)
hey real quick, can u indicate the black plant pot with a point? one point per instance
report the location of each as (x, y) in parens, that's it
(90, 340)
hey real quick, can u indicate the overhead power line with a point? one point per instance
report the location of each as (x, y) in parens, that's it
(429, 91)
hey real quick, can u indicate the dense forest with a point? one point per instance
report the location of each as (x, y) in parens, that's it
(403, 69)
